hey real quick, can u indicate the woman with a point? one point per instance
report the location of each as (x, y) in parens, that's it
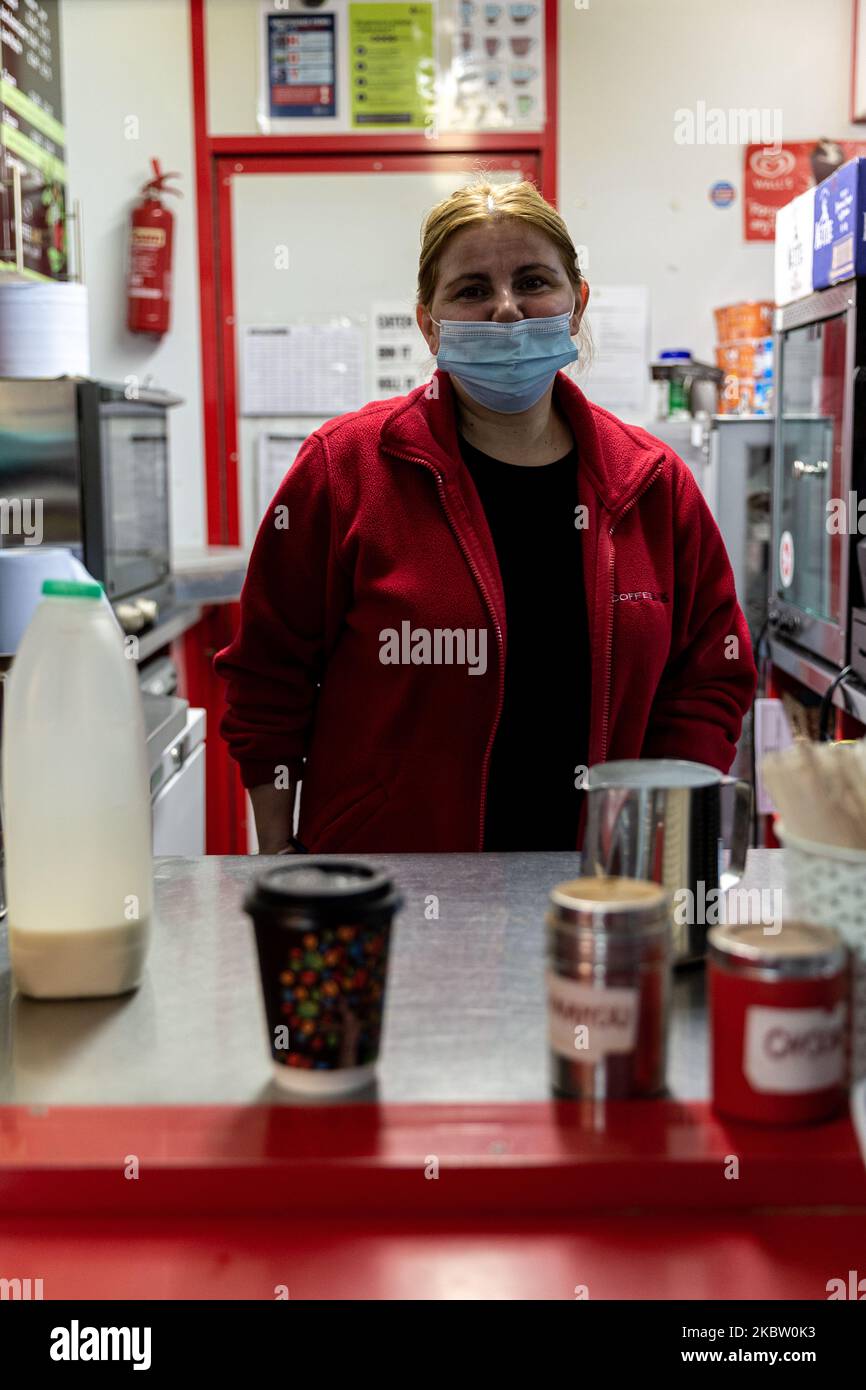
(461, 598)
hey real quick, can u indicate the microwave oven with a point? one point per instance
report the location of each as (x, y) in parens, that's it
(819, 469)
(84, 465)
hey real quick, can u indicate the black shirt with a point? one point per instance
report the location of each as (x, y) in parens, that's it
(543, 734)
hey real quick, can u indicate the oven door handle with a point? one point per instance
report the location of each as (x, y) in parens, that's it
(801, 469)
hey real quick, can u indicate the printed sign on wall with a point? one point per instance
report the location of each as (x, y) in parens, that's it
(301, 73)
(352, 66)
(393, 70)
(493, 77)
(400, 357)
(302, 369)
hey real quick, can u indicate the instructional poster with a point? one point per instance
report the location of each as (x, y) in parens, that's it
(392, 65)
(300, 63)
(497, 67)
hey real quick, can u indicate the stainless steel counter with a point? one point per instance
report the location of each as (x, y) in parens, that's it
(465, 1017)
(818, 675)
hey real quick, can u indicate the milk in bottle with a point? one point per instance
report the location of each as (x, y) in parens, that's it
(76, 802)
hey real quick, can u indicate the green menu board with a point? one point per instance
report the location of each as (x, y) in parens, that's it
(32, 138)
(392, 71)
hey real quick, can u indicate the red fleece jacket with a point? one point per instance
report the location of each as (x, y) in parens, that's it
(378, 524)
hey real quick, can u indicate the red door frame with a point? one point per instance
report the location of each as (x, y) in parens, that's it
(217, 160)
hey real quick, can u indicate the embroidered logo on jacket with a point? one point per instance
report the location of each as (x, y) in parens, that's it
(643, 594)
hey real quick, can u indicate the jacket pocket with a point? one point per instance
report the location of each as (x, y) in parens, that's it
(336, 824)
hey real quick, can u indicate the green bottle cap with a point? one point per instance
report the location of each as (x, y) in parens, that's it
(71, 588)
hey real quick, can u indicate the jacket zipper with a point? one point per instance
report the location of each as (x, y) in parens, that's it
(485, 767)
(608, 670)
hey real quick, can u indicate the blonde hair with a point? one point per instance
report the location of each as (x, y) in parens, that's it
(479, 202)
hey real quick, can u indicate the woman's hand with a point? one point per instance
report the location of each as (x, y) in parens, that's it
(273, 808)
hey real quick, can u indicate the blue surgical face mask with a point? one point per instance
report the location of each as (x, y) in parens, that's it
(505, 366)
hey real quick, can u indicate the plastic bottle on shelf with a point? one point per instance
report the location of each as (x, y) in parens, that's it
(76, 802)
(678, 398)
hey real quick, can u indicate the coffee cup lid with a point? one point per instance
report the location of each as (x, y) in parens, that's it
(320, 883)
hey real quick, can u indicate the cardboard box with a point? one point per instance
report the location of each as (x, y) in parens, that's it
(792, 259)
(839, 239)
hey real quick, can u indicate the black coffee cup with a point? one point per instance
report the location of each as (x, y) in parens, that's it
(322, 932)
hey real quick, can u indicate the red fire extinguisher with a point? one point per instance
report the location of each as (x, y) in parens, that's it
(149, 276)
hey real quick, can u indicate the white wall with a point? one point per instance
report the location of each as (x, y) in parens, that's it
(638, 200)
(122, 59)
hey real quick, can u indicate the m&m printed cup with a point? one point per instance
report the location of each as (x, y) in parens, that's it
(322, 930)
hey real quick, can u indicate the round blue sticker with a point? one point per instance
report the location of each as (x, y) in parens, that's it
(722, 194)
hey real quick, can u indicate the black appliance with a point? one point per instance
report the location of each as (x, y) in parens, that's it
(84, 464)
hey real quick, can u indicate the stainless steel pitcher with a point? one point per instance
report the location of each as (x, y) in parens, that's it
(661, 819)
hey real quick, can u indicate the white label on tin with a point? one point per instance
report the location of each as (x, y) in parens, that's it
(587, 1024)
(794, 1051)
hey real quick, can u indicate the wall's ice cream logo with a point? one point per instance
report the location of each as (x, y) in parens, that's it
(772, 163)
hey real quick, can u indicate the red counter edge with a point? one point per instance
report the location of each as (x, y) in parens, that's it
(412, 1159)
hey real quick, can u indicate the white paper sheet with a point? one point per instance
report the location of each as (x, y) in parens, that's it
(619, 379)
(772, 734)
(302, 369)
(275, 454)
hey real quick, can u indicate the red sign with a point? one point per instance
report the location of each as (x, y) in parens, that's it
(773, 176)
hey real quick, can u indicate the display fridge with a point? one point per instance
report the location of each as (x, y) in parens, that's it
(730, 457)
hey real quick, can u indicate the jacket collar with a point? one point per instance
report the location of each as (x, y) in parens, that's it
(617, 458)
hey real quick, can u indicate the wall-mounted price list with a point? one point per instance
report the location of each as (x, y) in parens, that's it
(32, 136)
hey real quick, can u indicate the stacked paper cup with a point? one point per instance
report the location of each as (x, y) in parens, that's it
(43, 328)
